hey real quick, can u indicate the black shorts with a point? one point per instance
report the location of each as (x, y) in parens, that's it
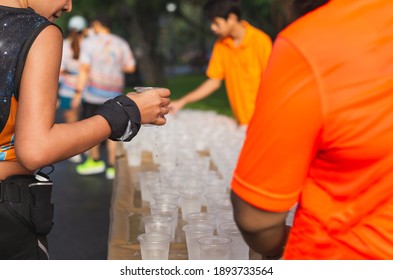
(26, 215)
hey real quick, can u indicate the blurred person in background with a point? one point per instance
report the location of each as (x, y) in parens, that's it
(322, 135)
(69, 70)
(239, 57)
(104, 60)
(31, 49)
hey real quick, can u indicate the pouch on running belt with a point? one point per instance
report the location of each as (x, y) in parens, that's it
(28, 199)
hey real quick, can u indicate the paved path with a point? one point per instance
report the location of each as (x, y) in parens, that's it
(81, 214)
(82, 206)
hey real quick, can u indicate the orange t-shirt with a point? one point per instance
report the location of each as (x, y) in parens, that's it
(322, 133)
(242, 67)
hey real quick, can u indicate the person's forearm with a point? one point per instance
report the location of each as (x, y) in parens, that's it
(61, 142)
(264, 231)
(202, 91)
(83, 77)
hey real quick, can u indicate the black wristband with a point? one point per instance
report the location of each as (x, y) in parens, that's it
(123, 116)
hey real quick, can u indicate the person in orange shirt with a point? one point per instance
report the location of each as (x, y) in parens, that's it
(239, 57)
(322, 137)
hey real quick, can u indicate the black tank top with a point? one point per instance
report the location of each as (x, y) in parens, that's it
(18, 30)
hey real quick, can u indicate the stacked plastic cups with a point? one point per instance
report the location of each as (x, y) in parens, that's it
(193, 174)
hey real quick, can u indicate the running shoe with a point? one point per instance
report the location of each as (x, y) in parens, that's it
(110, 173)
(90, 166)
(76, 159)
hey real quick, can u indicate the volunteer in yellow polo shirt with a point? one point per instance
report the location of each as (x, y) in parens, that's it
(239, 57)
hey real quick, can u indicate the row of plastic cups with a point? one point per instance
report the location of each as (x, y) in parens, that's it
(154, 245)
(154, 181)
(167, 209)
(211, 246)
(163, 220)
(227, 244)
(210, 217)
(189, 200)
(160, 228)
(201, 244)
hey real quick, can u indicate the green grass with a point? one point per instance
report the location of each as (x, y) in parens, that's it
(181, 85)
(217, 101)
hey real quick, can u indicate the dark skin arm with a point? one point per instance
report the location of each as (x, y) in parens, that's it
(265, 232)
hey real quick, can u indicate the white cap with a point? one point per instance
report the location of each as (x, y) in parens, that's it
(77, 23)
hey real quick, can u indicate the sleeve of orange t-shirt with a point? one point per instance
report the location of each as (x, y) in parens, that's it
(215, 69)
(283, 134)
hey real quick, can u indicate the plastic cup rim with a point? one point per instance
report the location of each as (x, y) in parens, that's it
(202, 214)
(227, 239)
(166, 237)
(140, 89)
(234, 230)
(205, 226)
(166, 217)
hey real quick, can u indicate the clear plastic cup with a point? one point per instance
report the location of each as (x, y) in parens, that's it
(166, 197)
(155, 190)
(169, 210)
(142, 89)
(222, 205)
(239, 248)
(215, 247)
(190, 201)
(201, 217)
(147, 179)
(211, 197)
(224, 216)
(158, 223)
(193, 232)
(213, 184)
(154, 246)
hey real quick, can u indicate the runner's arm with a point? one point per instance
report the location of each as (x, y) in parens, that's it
(202, 91)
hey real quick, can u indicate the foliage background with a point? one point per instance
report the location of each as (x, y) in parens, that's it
(172, 48)
(167, 43)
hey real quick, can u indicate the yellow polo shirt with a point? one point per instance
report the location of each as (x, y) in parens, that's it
(241, 67)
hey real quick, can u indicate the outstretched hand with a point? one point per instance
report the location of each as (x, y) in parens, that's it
(176, 106)
(153, 105)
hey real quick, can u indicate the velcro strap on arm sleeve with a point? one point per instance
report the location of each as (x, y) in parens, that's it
(123, 116)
